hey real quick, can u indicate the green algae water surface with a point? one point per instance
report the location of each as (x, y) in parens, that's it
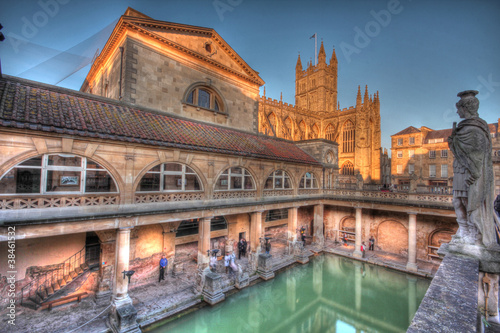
(329, 294)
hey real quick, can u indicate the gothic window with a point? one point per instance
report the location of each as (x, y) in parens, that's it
(235, 179)
(57, 174)
(205, 97)
(347, 169)
(330, 132)
(308, 181)
(288, 128)
(170, 177)
(278, 180)
(348, 137)
(315, 131)
(302, 127)
(272, 121)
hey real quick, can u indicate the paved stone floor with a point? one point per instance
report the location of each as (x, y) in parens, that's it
(159, 300)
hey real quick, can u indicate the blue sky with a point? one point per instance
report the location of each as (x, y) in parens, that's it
(418, 54)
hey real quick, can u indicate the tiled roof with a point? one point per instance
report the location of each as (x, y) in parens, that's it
(408, 130)
(444, 134)
(34, 106)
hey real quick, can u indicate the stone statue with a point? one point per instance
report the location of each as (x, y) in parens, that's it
(473, 192)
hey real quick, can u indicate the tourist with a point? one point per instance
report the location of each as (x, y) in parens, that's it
(363, 247)
(227, 259)
(240, 248)
(244, 247)
(268, 246)
(303, 235)
(163, 266)
(344, 239)
(371, 245)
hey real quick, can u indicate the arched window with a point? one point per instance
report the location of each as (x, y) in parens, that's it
(347, 168)
(348, 137)
(315, 131)
(191, 227)
(170, 177)
(235, 179)
(288, 128)
(330, 132)
(205, 97)
(278, 180)
(308, 181)
(57, 174)
(272, 121)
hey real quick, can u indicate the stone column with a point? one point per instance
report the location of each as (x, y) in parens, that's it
(292, 223)
(255, 232)
(357, 247)
(318, 236)
(203, 242)
(123, 314)
(412, 243)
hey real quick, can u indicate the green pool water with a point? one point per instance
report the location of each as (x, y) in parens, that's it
(329, 294)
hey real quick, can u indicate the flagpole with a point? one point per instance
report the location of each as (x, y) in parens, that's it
(315, 49)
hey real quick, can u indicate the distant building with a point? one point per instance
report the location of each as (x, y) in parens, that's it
(317, 114)
(423, 154)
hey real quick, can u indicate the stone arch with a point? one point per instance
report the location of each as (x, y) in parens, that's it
(330, 132)
(287, 128)
(347, 168)
(273, 121)
(392, 236)
(440, 236)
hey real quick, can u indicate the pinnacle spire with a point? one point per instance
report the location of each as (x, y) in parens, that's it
(358, 97)
(365, 100)
(333, 59)
(298, 67)
(322, 54)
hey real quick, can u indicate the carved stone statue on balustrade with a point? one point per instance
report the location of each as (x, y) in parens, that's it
(473, 191)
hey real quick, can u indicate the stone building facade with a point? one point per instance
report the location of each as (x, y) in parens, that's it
(317, 115)
(160, 154)
(421, 159)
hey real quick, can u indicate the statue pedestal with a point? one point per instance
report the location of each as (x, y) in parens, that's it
(299, 253)
(122, 318)
(489, 259)
(212, 289)
(242, 280)
(265, 267)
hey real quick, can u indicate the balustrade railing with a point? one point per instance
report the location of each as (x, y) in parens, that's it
(43, 285)
(57, 201)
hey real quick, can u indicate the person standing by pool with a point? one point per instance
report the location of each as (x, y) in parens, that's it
(371, 246)
(227, 259)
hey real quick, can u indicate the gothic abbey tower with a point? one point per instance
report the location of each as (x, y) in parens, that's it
(317, 115)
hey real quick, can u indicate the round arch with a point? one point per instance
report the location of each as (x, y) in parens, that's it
(315, 178)
(202, 84)
(153, 164)
(255, 179)
(392, 236)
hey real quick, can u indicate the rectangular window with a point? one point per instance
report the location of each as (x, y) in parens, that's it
(411, 153)
(400, 142)
(411, 168)
(432, 154)
(399, 169)
(444, 153)
(432, 171)
(412, 140)
(400, 154)
(444, 170)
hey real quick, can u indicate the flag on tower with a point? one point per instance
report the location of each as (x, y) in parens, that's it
(313, 36)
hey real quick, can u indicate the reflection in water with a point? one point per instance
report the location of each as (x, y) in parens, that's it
(329, 294)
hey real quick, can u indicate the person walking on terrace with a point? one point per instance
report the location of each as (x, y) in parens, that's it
(163, 266)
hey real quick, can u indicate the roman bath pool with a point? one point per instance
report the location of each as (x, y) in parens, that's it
(329, 294)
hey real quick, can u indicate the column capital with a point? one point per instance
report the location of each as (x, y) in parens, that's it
(412, 213)
(125, 229)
